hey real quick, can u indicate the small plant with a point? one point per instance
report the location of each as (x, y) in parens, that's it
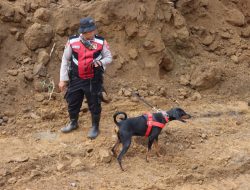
(49, 85)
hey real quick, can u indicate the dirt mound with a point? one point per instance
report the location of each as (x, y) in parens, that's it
(196, 56)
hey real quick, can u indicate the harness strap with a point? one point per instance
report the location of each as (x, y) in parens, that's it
(151, 123)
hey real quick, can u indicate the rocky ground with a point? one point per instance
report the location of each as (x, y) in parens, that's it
(196, 56)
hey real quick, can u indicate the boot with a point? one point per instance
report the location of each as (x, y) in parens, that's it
(73, 124)
(94, 131)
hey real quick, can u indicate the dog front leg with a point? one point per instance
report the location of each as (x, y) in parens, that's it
(157, 147)
(150, 142)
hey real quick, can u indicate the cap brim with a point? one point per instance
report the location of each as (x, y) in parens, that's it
(87, 29)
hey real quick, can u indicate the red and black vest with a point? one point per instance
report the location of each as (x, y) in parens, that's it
(82, 58)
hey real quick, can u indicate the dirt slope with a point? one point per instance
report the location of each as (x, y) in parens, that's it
(196, 57)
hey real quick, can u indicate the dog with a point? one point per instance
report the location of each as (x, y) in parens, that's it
(150, 124)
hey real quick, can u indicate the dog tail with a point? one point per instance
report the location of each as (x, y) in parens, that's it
(119, 113)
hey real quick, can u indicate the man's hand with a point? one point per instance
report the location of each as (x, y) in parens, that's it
(97, 64)
(62, 85)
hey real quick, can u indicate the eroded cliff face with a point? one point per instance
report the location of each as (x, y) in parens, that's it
(196, 56)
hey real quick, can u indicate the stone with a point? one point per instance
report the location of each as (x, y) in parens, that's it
(43, 57)
(196, 96)
(12, 180)
(12, 72)
(42, 14)
(5, 119)
(127, 93)
(208, 39)
(76, 163)
(184, 80)
(246, 32)
(13, 31)
(235, 59)
(179, 20)
(206, 77)
(131, 29)
(105, 155)
(60, 166)
(38, 36)
(133, 54)
(28, 76)
(235, 17)
(39, 97)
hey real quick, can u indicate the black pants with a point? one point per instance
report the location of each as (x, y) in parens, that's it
(80, 88)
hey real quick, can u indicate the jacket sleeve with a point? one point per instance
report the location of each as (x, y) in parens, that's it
(64, 76)
(106, 55)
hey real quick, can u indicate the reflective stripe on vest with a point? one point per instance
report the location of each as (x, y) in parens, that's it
(85, 57)
(151, 123)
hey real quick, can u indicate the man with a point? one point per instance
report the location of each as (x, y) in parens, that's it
(84, 59)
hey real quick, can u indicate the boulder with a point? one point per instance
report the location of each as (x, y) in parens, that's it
(235, 17)
(42, 14)
(206, 76)
(38, 36)
(43, 57)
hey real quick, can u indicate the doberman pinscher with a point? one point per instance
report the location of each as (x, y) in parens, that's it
(149, 125)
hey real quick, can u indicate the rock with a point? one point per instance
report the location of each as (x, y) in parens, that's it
(127, 93)
(131, 29)
(105, 156)
(28, 76)
(182, 34)
(162, 91)
(204, 136)
(43, 57)
(179, 20)
(13, 31)
(208, 39)
(167, 63)
(34, 173)
(38, 36)
(5, 119)
(235, 59)
(235, 17)
(18, 36)
(37, 69)
(1, 122)
(12, 180)
(26, 60)
(47, 114)
(76, 163)
(12, 72)
(39, 97)
(73, 184)
(206, 77)
(184, 80)
(19, 158)
(133, 54)
(7, 13)
(42, 14)
(196, 96)
(60, 167)
(246, 32)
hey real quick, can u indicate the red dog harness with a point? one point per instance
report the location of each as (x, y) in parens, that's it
(151, 123)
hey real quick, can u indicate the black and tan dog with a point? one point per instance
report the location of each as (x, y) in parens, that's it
(149, 125)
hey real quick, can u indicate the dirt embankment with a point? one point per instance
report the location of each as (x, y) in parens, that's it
(196, 56)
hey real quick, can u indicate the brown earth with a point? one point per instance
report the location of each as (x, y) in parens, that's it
(196, 57)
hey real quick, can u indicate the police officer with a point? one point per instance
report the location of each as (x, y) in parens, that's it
(84, 59)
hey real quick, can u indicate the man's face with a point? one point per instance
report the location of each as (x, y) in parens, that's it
(89, 35)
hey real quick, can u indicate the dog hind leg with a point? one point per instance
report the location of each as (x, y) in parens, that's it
(125, 147)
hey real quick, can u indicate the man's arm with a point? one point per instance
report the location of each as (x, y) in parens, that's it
(106, 55)
(64, 76)
(64, 70)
